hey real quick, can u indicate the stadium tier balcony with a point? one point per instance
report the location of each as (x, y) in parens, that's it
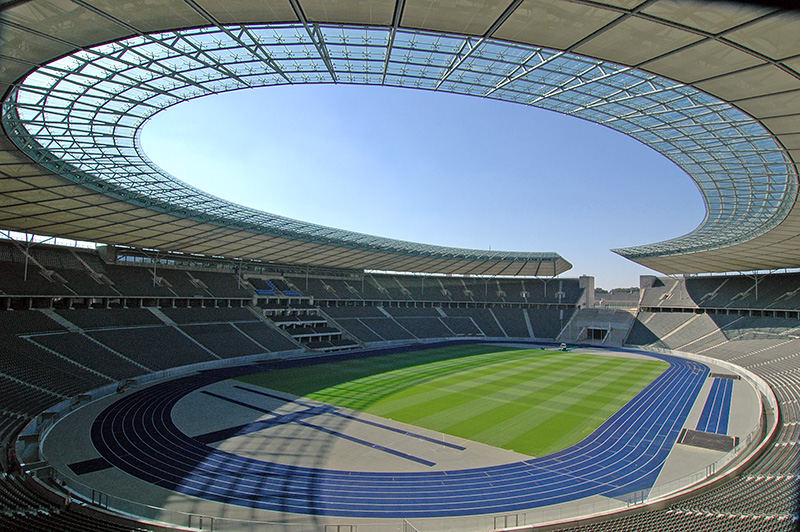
(372, 290)
(263, 287)
(284, 288)
(390, 287)
(224, 285)
(400, 288)
(15, 281)
(138, 281)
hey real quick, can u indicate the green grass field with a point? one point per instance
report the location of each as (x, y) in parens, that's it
(531, 401)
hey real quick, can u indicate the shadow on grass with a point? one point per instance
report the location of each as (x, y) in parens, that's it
(309, 380)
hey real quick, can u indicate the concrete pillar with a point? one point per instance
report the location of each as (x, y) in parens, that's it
(587, 283)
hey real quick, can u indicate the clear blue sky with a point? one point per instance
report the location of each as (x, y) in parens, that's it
(434, 168)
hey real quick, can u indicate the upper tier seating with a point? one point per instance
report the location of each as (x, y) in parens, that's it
(13, 282)
(182, 283)
(100, 318)
(222, 284)
(33, 377)
(136, 281)
(777, 291)
(353, 312)
(80, 348)
(358, 329)
(392, 287)
(262, 286)
(266, 336)
(207, 315)
(158, 347)
(223, 339)
(284, 287)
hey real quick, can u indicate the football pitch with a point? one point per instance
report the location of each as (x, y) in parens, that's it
(527, 400)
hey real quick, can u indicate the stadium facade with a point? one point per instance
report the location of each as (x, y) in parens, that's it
(714, 87)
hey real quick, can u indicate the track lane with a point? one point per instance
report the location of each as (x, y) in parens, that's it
(625, 454)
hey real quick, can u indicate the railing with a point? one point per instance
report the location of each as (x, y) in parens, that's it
(550, 514)
(747, 447)
(197, 521)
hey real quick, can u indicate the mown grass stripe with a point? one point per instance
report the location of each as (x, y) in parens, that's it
(493, 426)
(577, 412)
(472, 405)
(423, 375)
(477, 382)
(369, 391)
(531, 401)
(556, 399)
(308, 379)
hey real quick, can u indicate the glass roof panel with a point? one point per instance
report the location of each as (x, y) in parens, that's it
(106, 93)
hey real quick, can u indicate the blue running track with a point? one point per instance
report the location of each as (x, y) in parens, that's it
(625, 454)
(717, 409)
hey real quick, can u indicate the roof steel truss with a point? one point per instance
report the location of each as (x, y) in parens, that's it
(80, 116)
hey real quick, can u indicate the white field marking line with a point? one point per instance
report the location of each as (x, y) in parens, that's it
(347, 413)
(636, 479)
(721, 394)
(723, 391)
(217, 479)
(674, 421)
(728, 398)
(711, 411)
(637, 404)
(594, 459)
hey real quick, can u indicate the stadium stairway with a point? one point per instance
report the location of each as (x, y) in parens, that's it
(614, 326)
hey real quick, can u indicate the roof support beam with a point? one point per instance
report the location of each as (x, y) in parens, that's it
(463, 54)
(398, 14)
(316, 37)
(255, 51)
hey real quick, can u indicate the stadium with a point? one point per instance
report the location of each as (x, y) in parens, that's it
(208, 366)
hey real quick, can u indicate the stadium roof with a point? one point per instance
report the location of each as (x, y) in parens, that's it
(714, 87)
